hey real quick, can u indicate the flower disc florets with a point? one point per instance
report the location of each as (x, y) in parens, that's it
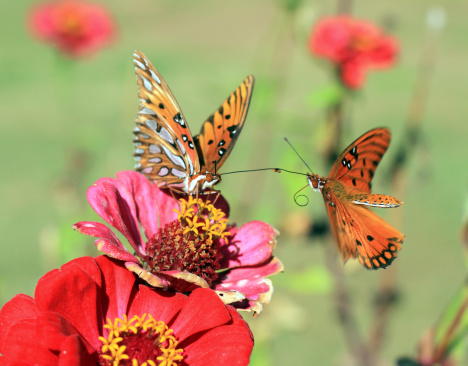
(139, 341)
(189, 243)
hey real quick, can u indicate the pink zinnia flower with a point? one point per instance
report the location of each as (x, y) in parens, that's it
(75, 27)
(93, 311)
(194, 247)
(354, 46)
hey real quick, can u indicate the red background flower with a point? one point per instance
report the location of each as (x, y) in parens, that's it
(354, 46)
(75, 27)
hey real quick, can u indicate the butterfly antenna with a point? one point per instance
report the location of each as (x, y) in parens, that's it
(296, 197)
(276, 170)
(300, 157)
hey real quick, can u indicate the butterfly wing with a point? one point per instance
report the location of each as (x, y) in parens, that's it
(164, 149)
(221, 130)
(362, 234)
(356, 165)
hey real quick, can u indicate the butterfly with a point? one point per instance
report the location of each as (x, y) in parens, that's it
(165, 150)
(359, 232)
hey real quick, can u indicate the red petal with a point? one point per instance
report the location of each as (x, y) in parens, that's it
(55, 293)
(18, 308)
(225, 345)
(162, 305)
(202, 311)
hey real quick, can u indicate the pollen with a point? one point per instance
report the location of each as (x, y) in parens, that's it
(195, 214)
(190, 243)
(140, 341)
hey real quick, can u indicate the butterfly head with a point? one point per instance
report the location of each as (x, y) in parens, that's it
(315, 182)
(201, 182)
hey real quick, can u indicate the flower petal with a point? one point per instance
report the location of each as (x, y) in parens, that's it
(154, 206)
(251, 245)
(108, 243)
(217, 346)
(115, 204)
(193, 318)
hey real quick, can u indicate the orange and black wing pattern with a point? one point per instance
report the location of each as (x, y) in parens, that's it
(362, 234)
(356, 165)
(221, 130)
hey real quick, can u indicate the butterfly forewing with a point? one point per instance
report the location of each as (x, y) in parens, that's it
(362, 234)
(164, 147)
(356, 165)
(221, 130)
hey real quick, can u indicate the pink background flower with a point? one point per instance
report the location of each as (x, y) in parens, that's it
(75, 27)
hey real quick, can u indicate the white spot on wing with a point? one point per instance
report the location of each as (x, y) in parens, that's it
(139, 151)
(151, 124)
(181, 147)
(178, 173)
(166, 135)
(155, 77)
(147, 170)
(140, 65)
(147, 111)
(154, 149)
(146, 83)
(156, 160)
(163, 171)
(177, 160)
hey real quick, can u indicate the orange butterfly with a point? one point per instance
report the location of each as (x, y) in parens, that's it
(164, 148)
(347, 193)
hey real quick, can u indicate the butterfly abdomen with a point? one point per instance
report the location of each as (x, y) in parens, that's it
(375, 200)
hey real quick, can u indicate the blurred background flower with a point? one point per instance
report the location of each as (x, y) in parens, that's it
(354, 46)
(76, 28)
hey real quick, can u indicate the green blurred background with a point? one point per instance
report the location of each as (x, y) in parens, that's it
(66, 124)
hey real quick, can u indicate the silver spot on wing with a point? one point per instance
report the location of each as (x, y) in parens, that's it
(155, 77)
(154, 149)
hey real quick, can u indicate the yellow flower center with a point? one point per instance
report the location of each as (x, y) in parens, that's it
(140, 341)
(195, 214)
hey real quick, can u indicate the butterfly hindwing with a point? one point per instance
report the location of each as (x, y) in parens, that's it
(356, 165)
(221, 130)
(362, 234)
(164, 148)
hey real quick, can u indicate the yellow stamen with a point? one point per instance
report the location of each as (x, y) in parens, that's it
(114, 350)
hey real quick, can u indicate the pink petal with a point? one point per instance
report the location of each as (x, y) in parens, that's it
(154, 207)
(108, 244)
(115, 204)
(251, 245)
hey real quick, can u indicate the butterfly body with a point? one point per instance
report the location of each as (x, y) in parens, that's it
(165, 150)
(359, 232)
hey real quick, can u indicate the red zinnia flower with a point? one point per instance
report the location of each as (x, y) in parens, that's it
(354, 46)
(184, 250)
(75, 27)
(95, 312)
